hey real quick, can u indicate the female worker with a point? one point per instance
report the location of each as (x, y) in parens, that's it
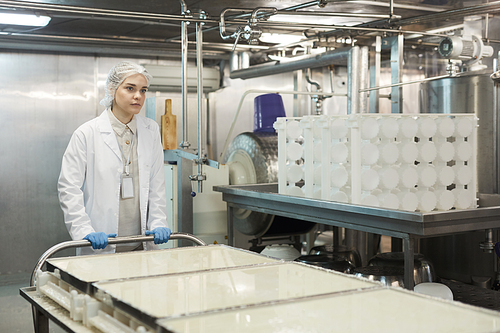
(112, 179)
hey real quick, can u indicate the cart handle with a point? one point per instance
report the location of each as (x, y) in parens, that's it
(117, 240)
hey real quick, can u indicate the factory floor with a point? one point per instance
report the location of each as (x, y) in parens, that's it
(15, 311)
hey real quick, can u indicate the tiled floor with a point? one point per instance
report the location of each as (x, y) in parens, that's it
(15, 311)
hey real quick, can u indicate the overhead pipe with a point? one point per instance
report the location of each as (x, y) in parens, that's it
(97, 11)
(304, 13)
(334, 57)
(445, 15)
(249, 32)
(285, 25)
(301, 6)
(385, 4)
(222, 23)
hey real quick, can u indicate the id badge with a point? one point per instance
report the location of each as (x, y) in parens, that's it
(127, 187)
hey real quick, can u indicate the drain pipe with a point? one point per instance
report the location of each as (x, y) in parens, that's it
(316, 99)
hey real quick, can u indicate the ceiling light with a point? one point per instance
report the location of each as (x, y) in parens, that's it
(279, 38)
(24, 19)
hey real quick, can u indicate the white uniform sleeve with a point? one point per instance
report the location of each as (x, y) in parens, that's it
(157, 205)
(71, 181)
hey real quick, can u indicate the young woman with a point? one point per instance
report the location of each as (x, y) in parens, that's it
(112, 179)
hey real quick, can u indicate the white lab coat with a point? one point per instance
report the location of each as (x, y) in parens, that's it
(89, 183)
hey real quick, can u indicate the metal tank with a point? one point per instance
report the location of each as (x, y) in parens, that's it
(459, 257)
(253, 159)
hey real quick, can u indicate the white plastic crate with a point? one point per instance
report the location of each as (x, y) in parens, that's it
(420, 162)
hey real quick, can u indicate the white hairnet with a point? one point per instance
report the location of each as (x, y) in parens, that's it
(117, 75)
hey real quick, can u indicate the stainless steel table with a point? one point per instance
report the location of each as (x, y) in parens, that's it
(408, 226)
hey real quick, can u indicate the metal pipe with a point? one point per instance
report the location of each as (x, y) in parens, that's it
(487, 246)
(222, 22)
(487, 26)
(316, 99)
(363, 79)
(301, 6)
(353, 81)
(405, 83)
(95, 11)
(375, 76)
(316, 84)
(446, 15)
(118, 240)
(199, 83)
(183, 6)
(253, 17)
(385, 4)
(391, 8)
(335, 57)
(496, 129)
(184, 89)
(397, 46)
(285, 25)
(331, 72)
(335, 14)
(118, 19)
(258, 91)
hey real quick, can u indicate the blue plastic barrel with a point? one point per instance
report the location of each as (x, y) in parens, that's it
(266, 109)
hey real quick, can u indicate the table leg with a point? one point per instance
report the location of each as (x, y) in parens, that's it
(230, 232)
(409, 262)
(40, 321)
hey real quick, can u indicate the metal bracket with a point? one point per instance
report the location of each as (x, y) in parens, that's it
(174, 154)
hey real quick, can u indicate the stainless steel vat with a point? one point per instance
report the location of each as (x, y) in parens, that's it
(470, 93)
(458, 256)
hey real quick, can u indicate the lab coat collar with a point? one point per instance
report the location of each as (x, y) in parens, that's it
(108, 136)
(119, 127)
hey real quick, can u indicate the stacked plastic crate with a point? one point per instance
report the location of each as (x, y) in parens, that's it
(419, 162)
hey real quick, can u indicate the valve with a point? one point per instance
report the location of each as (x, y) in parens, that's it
(196, 178)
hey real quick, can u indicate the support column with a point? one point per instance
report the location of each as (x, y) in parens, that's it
(409, 243)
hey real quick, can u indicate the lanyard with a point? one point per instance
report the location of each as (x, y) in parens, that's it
(126, 169)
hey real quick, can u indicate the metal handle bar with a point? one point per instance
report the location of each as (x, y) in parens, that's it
(118, 240)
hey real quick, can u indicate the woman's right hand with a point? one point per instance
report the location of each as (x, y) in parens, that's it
(99, 240)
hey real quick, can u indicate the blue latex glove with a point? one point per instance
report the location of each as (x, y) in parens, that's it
(99, 240)
(162, 234)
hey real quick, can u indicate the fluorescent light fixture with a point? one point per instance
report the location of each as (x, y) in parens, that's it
(319, 19)
(279, 38)
(24, 19)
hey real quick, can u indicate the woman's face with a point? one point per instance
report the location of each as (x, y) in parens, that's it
(130, 97)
